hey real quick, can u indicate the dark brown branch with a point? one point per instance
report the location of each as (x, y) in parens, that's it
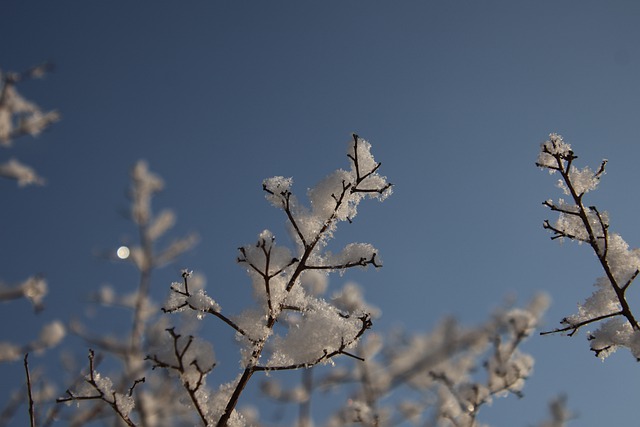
(180, 367)
(631, 279)
(211, 311)
(558, 233)
(555, 208)
(100, 396)
(286, 205)
(32, 415)
(575, 326)
(362, 262)
(563, 165)
(326, 355)
(309, 247)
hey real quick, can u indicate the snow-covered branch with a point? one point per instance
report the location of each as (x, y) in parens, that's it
(316, 330)
(608, 305)
(99, 387)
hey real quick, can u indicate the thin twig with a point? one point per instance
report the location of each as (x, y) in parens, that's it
(32, 415)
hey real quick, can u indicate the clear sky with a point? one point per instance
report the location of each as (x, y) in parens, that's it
(455, 97)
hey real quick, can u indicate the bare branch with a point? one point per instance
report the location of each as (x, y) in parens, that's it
(32, 416)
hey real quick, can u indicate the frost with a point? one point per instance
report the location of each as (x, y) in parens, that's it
(325, 195)
(611, 335)
(102, 383)
(603, 301)
(253, 322)
(555, 145)
(322, 330)
(354, 254)
(193, 357)
(583, 181)
(278, 189)
(200, 301)
(265, 257)
(177, 300)
(364, 166)
(124, 403)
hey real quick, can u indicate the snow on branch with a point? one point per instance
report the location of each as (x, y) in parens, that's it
(192, 359)
(181, 298)
(608, 305)
(99, 387)
(310, 330)
(334, 199)
(442, 377)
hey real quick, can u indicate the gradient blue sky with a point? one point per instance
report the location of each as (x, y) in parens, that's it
(455, 97)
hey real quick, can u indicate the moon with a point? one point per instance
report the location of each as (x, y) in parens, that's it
(123, 252)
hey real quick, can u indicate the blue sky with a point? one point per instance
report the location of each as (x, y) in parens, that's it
(454, 96)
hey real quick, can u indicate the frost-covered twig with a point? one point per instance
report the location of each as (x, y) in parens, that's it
(322, 331)
(333, 200)
(101, 388)
(588, 224)
(193, 360)
(181, 298)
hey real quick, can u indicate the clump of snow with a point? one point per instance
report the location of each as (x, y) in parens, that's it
(583, 181)
(277, 188)
(202, 302)
(603, 301)
(322, 330)
(253, 322)
(611, 335)
(555, 145)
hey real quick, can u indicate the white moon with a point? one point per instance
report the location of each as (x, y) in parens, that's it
(123, 252)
